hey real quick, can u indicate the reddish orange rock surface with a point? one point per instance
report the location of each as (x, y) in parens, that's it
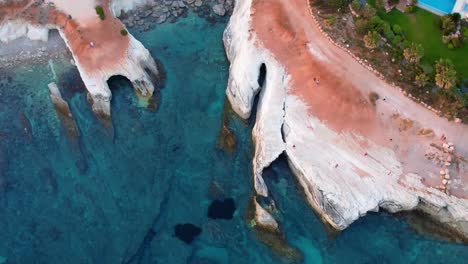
(336, 89)
(96, 43)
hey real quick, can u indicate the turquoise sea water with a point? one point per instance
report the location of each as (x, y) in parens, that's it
(117, 201)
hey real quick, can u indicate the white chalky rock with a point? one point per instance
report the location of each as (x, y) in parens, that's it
(284, 126)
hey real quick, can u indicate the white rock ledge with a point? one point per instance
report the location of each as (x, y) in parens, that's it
(313, 153)
(138, 65)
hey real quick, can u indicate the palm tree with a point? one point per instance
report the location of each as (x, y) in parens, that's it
(421, 80)
(413, 53)
(446, 76)
(371, 39)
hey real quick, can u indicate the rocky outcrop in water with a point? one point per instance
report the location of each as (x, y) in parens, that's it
(99, 49)
(153, 12)
(243, 85)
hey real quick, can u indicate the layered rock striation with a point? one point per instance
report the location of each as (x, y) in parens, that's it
(350, 154)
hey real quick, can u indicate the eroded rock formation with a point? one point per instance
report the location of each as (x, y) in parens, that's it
(350, 156)
(101, 48)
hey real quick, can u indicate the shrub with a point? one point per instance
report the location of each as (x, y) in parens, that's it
(406, 43)
(380, 5)
(452, 41)
(100, 12)
(456, 17)
(371, 39)
(397, 40)
(396, 29)
(123, 32)
(456, 42)
(331, 20)
(368, 11)
(336, 3)
(445, 39)
(421, 80)
(376, 23)
(446, 76)
(356, 6)
(447, 24)
(387, 31)
(427, 68)
(409, 9)
(362, 26)
(465, 32)
(413, 53)
(373, 97)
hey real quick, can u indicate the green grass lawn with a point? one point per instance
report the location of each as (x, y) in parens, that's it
(422, 27)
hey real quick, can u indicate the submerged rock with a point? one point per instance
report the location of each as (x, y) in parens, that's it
(187, 232)
(215, 231)
(264, 219)
(267, 231)
(222, 209)
(25, 126)
(219, 10)
(226, 138)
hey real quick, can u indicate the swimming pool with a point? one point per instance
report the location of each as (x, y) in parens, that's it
(440, 7)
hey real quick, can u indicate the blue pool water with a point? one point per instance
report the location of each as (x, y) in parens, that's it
(439, 6)
(163, 169)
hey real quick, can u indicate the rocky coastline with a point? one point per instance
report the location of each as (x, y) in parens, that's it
(147, 16)
(92, 48)
(24, 51)
(344, 174)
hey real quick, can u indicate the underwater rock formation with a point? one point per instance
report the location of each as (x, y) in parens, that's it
(222, 209)
(63, 111)
(187, 232)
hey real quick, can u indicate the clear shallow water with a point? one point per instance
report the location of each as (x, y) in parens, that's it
(159, 172)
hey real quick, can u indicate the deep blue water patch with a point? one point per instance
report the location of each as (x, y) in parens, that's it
(187, 232)
(222, 209)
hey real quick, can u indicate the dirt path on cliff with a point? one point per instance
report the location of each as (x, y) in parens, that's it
(336, 89)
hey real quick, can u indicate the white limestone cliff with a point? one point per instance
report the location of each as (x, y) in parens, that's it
(246, 60)
(339, 194)
(138, 65)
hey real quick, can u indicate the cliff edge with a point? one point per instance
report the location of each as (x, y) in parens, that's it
(101, 46)
(350, 153)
